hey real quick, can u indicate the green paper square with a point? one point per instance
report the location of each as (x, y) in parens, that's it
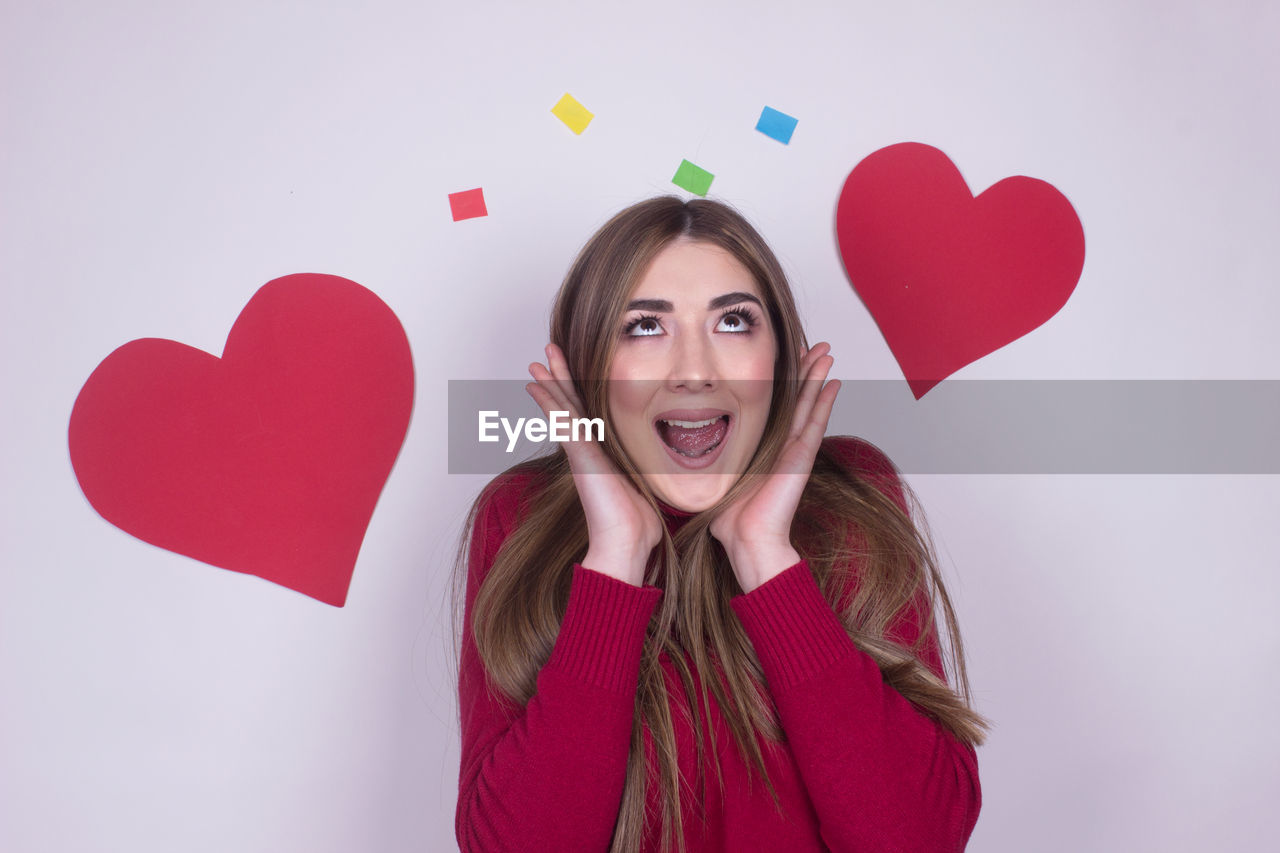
(693, 178)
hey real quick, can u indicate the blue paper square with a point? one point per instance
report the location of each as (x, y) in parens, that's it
(777, 125)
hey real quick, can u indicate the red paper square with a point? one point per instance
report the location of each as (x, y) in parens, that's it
(467, 204)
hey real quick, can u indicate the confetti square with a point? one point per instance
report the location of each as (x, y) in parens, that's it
(777, 125)
(467, 204)
(572, 113)
(693, 178)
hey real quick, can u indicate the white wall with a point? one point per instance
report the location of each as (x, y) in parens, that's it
(161, 161)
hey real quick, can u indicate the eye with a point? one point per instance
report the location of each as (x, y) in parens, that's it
(737, 320)
(643, 326)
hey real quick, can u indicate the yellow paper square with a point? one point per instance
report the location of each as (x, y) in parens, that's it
(572, 113)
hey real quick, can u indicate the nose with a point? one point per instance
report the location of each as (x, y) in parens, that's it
(693, 365)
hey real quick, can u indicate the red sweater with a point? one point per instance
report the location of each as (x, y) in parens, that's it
(861, 769)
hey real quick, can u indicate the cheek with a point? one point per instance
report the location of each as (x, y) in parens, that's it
(755, 368)
(758, 363)
(630, 393)
(757, 390)
(627, 402)
(756, 404)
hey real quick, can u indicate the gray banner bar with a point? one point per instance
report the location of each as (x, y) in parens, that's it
(986, 426)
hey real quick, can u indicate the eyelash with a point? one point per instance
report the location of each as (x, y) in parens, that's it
(631, 325)
(745, 314)
(742, 312)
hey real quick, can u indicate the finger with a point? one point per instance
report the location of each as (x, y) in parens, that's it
(820, 416)
(551, 387)
(812, 354)
(556, 378)
(811, 387)
(585, 456)
(810, 358)
(804, 398)
(560, 370)
(803, 448)
(542, 397)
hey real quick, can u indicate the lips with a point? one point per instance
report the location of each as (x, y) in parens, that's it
(693, 438)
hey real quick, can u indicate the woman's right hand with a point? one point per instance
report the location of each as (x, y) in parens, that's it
(622, 528)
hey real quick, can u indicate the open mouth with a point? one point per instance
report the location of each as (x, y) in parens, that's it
(693, 441)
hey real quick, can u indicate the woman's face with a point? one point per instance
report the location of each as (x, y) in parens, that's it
(692, 375)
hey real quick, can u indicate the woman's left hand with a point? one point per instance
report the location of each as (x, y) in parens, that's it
(755, 530)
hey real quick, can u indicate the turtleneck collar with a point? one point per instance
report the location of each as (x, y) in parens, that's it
(672, 517)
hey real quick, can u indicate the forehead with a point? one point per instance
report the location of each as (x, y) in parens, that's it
(694, 270)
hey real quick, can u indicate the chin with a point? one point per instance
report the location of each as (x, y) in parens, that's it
(691, 492)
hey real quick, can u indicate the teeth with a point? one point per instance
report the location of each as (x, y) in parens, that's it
(691, 424)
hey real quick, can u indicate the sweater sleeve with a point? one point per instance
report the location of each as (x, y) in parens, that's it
(881, 774)
(549, 775)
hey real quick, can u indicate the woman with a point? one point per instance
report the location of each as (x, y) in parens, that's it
(714, 630)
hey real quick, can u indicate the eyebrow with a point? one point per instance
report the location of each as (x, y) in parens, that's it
(665, 306)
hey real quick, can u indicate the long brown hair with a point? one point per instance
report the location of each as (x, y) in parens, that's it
(854, 536)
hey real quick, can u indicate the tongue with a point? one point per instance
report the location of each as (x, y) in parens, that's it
(693, 442)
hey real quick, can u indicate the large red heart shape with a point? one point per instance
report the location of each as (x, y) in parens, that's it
(268, 460)
(949, 277)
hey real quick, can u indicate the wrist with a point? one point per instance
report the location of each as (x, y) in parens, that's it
(755, 565)
(623, 564)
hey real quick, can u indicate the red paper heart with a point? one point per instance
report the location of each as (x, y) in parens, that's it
(948, 277)
(268, 460)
